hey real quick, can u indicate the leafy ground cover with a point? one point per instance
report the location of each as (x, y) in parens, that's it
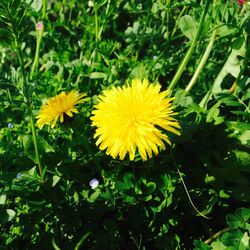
(93, 155)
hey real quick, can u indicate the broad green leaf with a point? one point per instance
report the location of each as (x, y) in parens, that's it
(232, 239)
(37, 5)
(226, 30)
(234, 221)
(217, 245)
(188, 26)
(43, 147)
(243, 213)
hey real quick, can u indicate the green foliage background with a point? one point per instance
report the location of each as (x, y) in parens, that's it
(90, 46)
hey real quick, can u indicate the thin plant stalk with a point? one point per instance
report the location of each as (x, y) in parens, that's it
(216, 235)
(39, 35)
(29, 104)
(177, 21)
(168, 14)
(202, 63)
(191, 49)
(33, 130)
(185, 187)
(45, 3)
(96, 22)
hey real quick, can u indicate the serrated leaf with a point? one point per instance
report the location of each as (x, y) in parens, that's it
(212, 114)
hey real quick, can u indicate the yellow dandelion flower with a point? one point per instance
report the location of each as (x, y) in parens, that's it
(133, 118)
(56, 106)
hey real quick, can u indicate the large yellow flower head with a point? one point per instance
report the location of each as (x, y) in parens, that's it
(133, 118)
(56, 106)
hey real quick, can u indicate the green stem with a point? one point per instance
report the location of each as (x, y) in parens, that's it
(29, 104)
(191, 49)
(33, 129)
(39, 36)
(81, 241)
(96, 22)
(177, 21)
(202, 62)
(215, 236)
(25, 84)
(185, 187)
(168, 14)
(37, 54)
(45, 3)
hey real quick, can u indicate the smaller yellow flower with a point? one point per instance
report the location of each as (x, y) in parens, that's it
(56, 106)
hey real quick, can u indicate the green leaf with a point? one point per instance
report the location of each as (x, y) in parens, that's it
(232, 66)
(234, 221)
(129, 179)
(188, 26)
(243, 213)
(7, 216)
(212, 114)
(218, 245)
(94, 196)
(2, 199)
(122, 186)
(43, 147)
(200, 245)
(139, 72)
(56, 179)
(232, 239)
(244, 243)
(37, 5)
(150, 187)
(97, 75)
(226, 30)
